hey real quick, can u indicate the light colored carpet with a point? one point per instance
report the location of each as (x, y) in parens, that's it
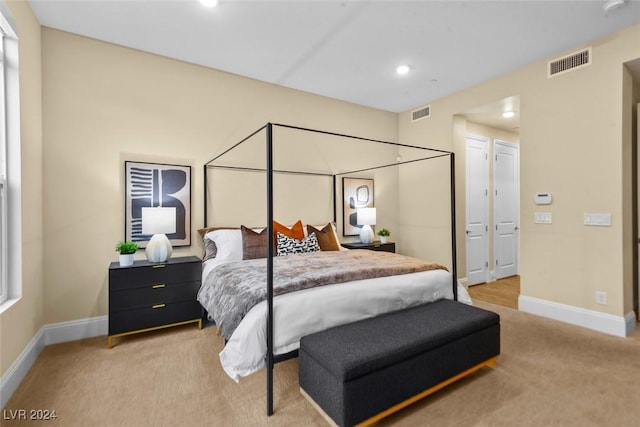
(549, 373)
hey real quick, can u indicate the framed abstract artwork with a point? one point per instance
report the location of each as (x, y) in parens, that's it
(356, 193)
(157, 185)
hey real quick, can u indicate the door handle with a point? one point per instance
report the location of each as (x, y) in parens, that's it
(467, 231)
(517, 228)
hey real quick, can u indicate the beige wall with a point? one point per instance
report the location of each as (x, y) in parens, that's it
(571, 145)
(104, 104)
(21, 322)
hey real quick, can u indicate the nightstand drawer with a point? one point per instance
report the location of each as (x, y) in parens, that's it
(149, 317)
(158, 274)
(152, 295)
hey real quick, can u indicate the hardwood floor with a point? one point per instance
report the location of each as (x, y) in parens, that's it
(503, 292)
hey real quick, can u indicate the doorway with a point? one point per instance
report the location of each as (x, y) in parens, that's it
(506, 208)
(477, 210)
(492, 246)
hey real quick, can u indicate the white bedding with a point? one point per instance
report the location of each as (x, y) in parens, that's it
(307, 311)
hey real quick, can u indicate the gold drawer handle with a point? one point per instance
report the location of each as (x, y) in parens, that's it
(159, 266)
(158, 286)
(158, 306)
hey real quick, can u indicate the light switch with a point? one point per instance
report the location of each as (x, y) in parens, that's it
(542, 217)
(598, 219)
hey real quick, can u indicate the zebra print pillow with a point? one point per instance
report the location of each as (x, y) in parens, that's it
(289, 246)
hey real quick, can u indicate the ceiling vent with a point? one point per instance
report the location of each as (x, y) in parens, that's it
(420, 113)
(570, 62)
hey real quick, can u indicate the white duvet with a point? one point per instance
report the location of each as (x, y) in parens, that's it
(307, 311)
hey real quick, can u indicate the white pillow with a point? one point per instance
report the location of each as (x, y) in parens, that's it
(229, 244)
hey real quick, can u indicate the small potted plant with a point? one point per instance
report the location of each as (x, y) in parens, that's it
(126, 249)
(384, 235)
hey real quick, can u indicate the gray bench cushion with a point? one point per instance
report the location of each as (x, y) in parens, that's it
(393, 337)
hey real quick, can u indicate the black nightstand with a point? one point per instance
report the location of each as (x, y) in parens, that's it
(374, 246)
(148, 296)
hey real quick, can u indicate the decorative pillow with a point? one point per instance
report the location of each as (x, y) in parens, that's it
(254, 245)
(326, 237)
(289, 246)
(335, 234)
(295, 232)
(209, 248)
(228, 244)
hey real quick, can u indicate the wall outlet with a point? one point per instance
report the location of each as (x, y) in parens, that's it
(601, 297)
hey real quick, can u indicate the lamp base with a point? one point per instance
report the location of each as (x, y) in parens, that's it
(159, 248)
(366, 234)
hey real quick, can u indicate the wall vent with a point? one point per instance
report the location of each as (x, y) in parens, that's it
(420, 113)
(570, 62)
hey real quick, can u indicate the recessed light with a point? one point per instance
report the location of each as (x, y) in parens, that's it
(209, 3)
(613, 5)
(402, 69)
(508, 114)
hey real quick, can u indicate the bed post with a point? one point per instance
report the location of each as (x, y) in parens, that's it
(335, 211)
(269, 269)
(454, 260)
(205, 195)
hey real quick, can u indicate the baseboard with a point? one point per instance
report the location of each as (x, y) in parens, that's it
(49, 334)
(76, 330)
(602, 322)
(18, 370)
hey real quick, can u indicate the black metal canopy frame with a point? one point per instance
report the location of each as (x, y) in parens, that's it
(271, 359)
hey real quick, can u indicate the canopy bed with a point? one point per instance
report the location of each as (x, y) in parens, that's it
(318, 302)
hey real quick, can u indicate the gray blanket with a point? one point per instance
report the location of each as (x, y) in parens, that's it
(232, 289)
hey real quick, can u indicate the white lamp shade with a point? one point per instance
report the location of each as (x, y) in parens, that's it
(158, 220)
(366, 216)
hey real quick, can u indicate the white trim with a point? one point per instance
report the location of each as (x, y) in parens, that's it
(76, 330)
(18, 370)
(13, 179)
(49, 334)
(602, 322)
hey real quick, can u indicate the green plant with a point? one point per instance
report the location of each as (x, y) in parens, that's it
(126, 248)
(384, 233)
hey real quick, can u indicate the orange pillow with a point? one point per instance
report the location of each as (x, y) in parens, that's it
(295, 232)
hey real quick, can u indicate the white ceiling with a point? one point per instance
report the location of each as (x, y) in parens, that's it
(348, 49)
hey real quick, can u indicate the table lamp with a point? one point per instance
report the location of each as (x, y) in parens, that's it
(159, 222)
(366, 217)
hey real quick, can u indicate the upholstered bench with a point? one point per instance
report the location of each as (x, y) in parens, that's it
(363, 371)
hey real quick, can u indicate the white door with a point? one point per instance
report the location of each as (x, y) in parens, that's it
(477, 210)
(506, 214)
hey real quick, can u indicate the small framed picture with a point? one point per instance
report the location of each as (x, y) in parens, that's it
(356, 193)
(157, 185)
